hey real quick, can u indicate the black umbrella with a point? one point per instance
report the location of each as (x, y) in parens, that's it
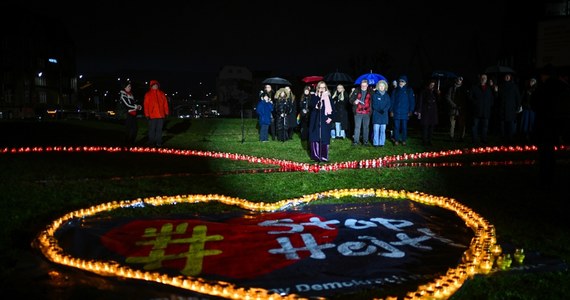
(499, 70)
(442, 74)
(276, 80)
(338, 77)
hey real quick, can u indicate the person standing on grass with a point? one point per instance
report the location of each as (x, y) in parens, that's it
(155, 110)
(403, 105)
(361, 100)
(457, 98)
(482, 99)
(509, 107)
(264, 110)
(292, 116)
(304, 112)
(427, 111)
(380, 108)
(340, 102)
(320, 122)
(132, 107)
(268, 89)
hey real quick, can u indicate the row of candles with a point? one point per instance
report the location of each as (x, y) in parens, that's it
(478, 259)
(386, 161)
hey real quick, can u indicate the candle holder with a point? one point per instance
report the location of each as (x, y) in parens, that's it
(519, 255)
(496, 250)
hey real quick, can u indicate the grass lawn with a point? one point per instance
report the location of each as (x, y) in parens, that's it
(40, 187)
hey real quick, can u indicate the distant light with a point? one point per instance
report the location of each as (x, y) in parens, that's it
(40, 74)
(52, 60)
(80, 76)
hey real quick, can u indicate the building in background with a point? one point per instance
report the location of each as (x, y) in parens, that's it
(37, 61)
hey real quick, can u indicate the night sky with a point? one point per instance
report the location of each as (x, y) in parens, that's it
(287, 39)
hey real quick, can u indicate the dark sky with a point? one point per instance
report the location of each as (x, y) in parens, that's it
(295, 38)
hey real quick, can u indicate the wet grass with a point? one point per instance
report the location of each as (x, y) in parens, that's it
(39, 187)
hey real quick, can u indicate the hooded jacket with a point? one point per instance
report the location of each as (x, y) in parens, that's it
(155, 102)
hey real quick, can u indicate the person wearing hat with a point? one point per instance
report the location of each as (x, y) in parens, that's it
(127, 100)
(402, 107)
(155, 110)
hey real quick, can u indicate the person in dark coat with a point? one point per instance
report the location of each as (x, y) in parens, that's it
(526, 124)
(131, 108)
(304, 112)
(292, 116)
(427, 111)
(282, 109)
(482, 99)
(380, 110)
(509, 106)
(402, 107)
(457, 98)
(268, 89)
(320, 122)
(340, 102)
(551, 102)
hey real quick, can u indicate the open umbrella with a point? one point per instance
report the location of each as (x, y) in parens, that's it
(499, 70)
(312, 79)
(338, 77)
(276, 80)
(372, 78)
(441, 74)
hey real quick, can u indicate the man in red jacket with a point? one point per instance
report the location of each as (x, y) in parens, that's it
(155, 110)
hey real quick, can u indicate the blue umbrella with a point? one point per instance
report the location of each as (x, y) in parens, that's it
(373, 78)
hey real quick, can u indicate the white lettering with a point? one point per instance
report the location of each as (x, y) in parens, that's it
(414, 242)
(280, 223)
(310, 243)
(392, 224)
(359, 224)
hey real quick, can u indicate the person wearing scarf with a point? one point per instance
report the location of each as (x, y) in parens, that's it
(132, 107)
(320, 119)
(361, 100)
(380, 109)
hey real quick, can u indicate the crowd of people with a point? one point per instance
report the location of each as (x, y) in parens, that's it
(376, 114)
(535, 112)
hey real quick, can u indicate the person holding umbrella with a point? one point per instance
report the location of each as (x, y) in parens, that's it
(320, 119)
(282, 109)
